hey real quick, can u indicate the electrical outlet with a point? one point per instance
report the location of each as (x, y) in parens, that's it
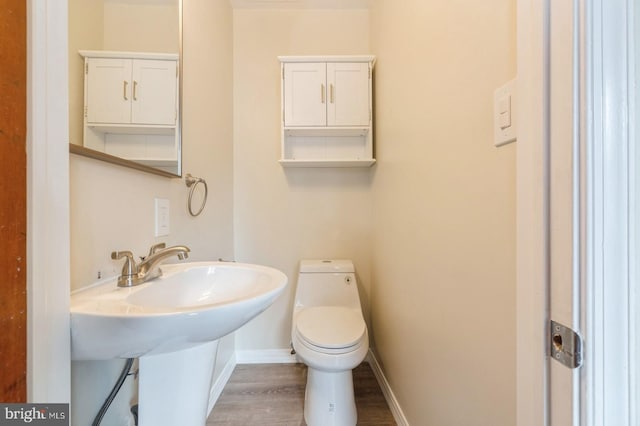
(162, 217)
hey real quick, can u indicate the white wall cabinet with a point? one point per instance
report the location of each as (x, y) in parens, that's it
(131, 91)
(131, 107)
(326, 94)
(327, 111)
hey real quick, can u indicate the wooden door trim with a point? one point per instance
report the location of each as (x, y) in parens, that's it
(13, 193)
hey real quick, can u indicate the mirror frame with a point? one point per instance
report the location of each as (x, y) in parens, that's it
(101, 156)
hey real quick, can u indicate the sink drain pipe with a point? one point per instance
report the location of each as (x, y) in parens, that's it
(114, 392)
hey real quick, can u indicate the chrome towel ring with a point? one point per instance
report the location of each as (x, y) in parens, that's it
(192, 182)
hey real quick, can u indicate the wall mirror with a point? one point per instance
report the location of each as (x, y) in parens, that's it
(125, 82)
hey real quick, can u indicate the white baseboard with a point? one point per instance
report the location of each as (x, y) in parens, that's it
(398, 415)
(221, 382)
(266, 356)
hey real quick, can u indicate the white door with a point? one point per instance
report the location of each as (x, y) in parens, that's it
(578, 211)
(611, 360)
(153, 92)
(305, 94)
(348, 94)
(108, 90)
(593, 283)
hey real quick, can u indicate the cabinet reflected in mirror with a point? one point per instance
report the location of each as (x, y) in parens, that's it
(124, 80)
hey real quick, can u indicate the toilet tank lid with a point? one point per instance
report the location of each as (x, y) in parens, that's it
(326, 265)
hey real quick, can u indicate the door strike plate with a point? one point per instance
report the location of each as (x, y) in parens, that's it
(565, 345)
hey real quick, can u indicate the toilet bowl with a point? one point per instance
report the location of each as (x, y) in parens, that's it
(330, 336)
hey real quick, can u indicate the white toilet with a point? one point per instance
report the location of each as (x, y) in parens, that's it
(330, 336)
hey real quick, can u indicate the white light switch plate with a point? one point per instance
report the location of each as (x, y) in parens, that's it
(505, 126)
(162, 217)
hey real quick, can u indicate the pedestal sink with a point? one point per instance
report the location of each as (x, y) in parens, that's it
(172, 324)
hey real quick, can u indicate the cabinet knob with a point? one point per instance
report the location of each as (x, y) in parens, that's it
(322, 93)
(124, 90)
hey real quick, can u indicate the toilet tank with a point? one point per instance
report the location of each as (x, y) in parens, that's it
(327, 283)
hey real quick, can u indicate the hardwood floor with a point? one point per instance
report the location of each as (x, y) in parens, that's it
(273, 394)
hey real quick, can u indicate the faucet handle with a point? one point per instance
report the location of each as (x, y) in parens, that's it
(129, 268)
(154, 248)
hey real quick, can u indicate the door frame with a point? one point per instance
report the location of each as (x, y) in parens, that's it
(48, 266)
(532, 209)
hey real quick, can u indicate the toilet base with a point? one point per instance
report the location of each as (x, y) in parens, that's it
(329, 399)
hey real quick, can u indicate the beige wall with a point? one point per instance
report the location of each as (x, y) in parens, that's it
(86, 32)
(141, 27)
(112, 207)
(284, 215)
(443, 290)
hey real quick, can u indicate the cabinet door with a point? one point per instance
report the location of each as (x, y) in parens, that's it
(348, 94)
(108, 90)
(154, 92)
(305, 94)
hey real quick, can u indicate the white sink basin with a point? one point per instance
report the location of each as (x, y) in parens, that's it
(191, 304)
(172, 324)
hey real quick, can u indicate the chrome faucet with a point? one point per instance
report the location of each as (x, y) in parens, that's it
(148, 269)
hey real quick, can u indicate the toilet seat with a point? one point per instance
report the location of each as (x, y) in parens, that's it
(330, 329)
